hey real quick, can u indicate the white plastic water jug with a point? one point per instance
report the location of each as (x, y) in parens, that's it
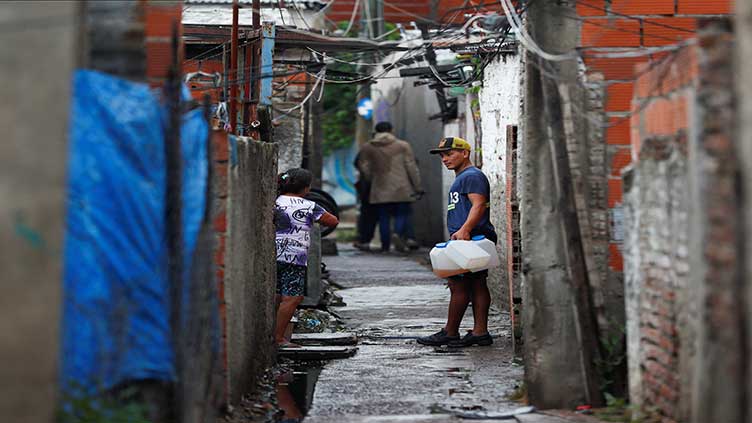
(448, 262)
(489, 247)
(442, 265)
(468, 254)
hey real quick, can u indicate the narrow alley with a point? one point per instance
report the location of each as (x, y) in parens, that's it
(391, 300)
(243, 211)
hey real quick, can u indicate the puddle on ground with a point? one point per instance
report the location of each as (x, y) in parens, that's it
(295, 392)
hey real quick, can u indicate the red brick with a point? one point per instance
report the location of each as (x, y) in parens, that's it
(658, 35)
(220, 221)
(220, 147)
(705, 7)
(619, 97)
(158, 58)
(617, 132)
(681, 112)
(622, 68)
(160, 18)
(610, 33)
(220, 179)
(591, 7)
(636, 136)
(643, 7)
(621, 159)
(614, 192)
(659, 118)
(219, 252)
(615, 258)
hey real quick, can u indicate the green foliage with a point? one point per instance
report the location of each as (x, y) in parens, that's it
(613, 358)
(340, 114)
(473, 90)
(393, 36)
(121, 408)
(339, 117)
(616, 410)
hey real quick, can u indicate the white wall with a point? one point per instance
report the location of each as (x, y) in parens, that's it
(500, 105)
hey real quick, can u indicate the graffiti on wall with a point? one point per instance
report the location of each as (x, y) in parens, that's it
(339, 175)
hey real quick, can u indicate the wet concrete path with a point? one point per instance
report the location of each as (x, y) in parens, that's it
(392, 299)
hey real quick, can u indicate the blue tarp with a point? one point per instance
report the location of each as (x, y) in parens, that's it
(116, 296)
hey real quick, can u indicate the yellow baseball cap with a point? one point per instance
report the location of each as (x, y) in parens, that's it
(451, 143)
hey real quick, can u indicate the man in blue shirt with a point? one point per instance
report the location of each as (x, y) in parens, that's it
(467, 216)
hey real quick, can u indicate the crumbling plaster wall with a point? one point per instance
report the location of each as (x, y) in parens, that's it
(500, 106)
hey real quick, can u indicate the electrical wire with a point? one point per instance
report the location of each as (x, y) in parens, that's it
(352, 17)
(321, 76)
(516, 22)
(281, 16)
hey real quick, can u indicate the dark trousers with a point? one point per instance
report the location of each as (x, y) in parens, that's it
(367, 220)
(387, 211)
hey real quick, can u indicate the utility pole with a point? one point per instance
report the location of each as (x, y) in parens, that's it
(556, 276)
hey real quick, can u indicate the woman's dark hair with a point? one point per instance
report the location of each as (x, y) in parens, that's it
(294, 181)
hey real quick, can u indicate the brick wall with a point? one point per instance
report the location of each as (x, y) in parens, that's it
(616, 24)
(656, 251)
(219, 172)
(683, 311)
(159, 17)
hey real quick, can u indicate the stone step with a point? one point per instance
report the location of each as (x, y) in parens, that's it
(338, 338)
(309, 353)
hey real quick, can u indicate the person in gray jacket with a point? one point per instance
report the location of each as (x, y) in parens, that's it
(389, 165)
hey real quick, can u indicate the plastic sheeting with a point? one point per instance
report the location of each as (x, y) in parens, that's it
(116, 323)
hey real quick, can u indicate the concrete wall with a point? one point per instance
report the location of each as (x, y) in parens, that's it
(250, 276)
(743, 79)
(408, 108)
(500, 106)
(39, 43)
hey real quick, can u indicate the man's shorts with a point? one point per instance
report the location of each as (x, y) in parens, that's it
(470, 277)
(291, 279)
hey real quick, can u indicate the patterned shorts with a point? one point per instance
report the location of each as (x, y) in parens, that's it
(291, 279)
